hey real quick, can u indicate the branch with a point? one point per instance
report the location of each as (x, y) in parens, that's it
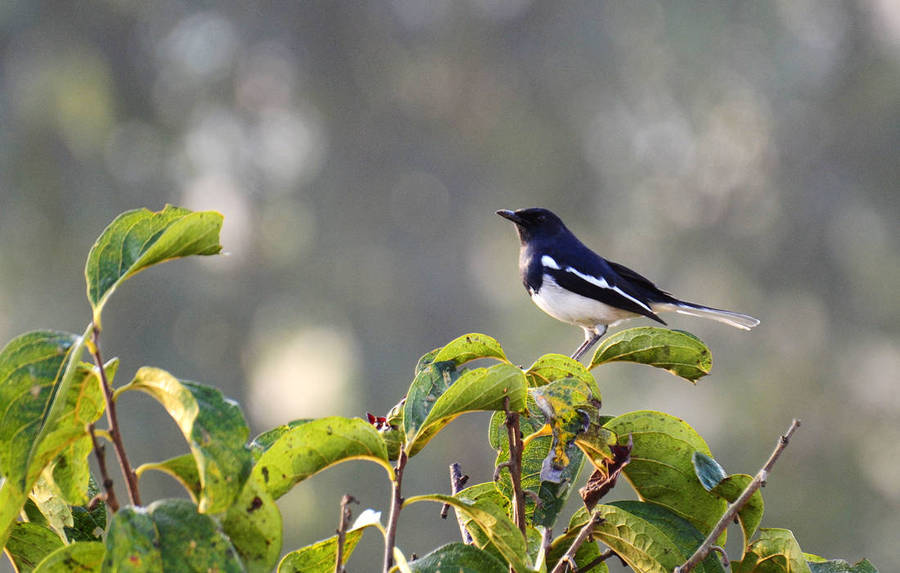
(457, 481)
(515, 464)
(600, 559)
(568, 557)
(341, 530)
(100, 451)
(396, 506)
(131, 483)
(739, 503)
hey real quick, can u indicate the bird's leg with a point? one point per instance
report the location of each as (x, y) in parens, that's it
(590, 338)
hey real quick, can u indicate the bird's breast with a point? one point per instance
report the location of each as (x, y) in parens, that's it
(573, 308)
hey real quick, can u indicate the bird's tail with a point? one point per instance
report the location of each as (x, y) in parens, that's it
(735, 319)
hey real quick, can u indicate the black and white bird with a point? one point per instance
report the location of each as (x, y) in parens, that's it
(574, 284)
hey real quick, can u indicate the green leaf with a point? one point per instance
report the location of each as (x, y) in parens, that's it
(132, 542)
(493, 522)
(552, 495)
(213, 426)
(431, 381)
(139, 239)
(841, 566)
(708, 470)
(264, 441)
(650, 538)
(253, 522)
(551, 367)
(183, 468)
(31, 366)
(661, 469)
(49, 399)
(470, 347)
(191, 541)
(679, 352)
(751, 514)
(568, 406)
(80, 557)
(458, 557)
(29, 543)
(775, 550)
(54, 509)
(169, 535)
(320, 557)
(68, 443)
(314, 446)
(477, 389)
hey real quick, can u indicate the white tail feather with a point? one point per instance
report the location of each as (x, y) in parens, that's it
(735, 319)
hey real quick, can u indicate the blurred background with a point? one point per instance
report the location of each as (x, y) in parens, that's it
(742, 154)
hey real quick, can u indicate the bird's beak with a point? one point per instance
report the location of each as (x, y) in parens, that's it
(511, 215)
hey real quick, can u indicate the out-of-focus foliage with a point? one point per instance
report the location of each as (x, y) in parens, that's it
(741, 154)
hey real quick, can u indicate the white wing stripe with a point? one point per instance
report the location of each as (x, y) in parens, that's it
(601, 282)
(549, 262)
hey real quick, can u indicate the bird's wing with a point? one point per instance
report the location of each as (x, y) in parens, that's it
(649, 291)
(601, 287)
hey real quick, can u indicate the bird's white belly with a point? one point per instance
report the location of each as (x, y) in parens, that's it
(573, 308)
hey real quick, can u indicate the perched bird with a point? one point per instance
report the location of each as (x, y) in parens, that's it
(574, 284)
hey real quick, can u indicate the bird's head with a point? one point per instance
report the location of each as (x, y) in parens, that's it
(534, 223)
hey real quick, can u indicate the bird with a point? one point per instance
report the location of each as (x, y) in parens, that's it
(572, 283)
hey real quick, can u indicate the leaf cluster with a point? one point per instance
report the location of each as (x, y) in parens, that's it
(546, 426)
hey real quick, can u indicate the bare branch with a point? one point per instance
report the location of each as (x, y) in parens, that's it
(341, 531)
(131, 482)
(100, 453)
(515, 464)
(457, 481)
(733, 509)
(568, 558)
(390, 537)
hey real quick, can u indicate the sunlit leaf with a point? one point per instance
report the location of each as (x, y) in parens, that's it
(311, 447)
(139, 239)
(262, 442)
(679, 352)
(29, 543)
(477, 389)
(648, 537)
(774, 550)
(48, 400)
(80, 557)
(213, 426)
(30, 367)
(552, 495)
(470, 347)
(840, 566)
(661, 469)
(568, 406)
(321, 557)
(498, 529)
(183, 468)
(551, 367)
(458, 557)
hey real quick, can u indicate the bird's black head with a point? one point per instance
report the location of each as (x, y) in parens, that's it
(534, 223)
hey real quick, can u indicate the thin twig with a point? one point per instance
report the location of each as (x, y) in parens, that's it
(597, 561)
(515, 464)
(341, 531)
(131, 482)
(457, 481)
(396, 505)
(568, 557)
(733, 509)
(100, 452)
